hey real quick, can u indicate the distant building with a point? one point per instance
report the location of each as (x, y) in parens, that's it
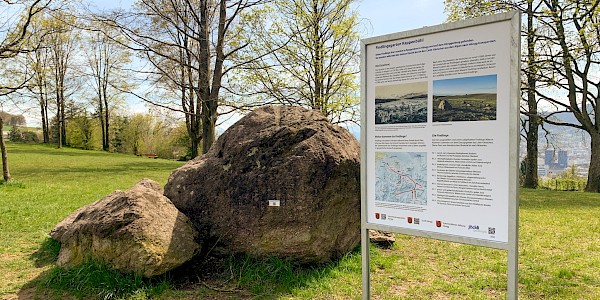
(556, 161)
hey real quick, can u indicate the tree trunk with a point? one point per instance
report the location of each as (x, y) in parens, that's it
(531, 166)
(316, 59)
(63, 124)
(43, 98)
(106, 138)
(44, 113)
(209, 121)
(46, 123)
(193, 99)
(193, 120)
(5, 171)
(194, 144)
(59, 132)
(101, 117)
(593, 182)
(204, 101)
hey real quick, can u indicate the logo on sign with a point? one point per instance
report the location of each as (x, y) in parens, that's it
(438, 223)
(410, 219)
(377, 216)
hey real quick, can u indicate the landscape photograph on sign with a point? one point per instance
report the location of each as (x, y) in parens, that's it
(401, 177)
(401, 103)
(465, 99)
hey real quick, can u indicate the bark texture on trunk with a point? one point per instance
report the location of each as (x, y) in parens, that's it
(593, 182)
(531, 166)
(5, 171)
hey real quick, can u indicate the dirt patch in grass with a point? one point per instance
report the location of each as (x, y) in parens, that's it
(7, 257)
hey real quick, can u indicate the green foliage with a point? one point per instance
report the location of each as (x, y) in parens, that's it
(563, 184)
(568, 180)
(570, 173)
(81, 132)
(311, 56)
(17, 135)
(464, 9)
(144, 133)
(137, 134)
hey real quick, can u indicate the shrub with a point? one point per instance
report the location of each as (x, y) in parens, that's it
(16, 135)
(563, 184)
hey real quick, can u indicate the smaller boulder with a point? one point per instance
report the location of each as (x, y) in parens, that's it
(135, 231)
(382, 239)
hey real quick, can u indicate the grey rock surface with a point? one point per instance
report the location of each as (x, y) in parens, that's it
(135, 231)
(294, 156)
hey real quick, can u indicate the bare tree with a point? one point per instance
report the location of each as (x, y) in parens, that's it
(38, 62)
(573, 55)
(62, 42)
(190, 46)
(13, 43)
(106, 60)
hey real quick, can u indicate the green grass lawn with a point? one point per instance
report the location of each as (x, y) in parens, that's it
(50, 184)
(559, 249)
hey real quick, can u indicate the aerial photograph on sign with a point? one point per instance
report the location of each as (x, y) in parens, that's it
(401, 103)
(401, 177)
(465, 99)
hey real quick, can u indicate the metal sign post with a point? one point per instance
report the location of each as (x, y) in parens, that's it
(440, 135)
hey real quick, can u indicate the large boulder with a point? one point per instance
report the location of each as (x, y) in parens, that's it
(294, 156)
(135, 231)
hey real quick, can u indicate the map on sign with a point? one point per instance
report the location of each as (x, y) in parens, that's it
(401, 177)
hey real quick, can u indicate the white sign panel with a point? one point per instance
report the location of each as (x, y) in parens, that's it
(437, 140)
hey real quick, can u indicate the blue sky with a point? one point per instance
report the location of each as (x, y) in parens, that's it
(465, 85)
(390, 16)
(380, 16)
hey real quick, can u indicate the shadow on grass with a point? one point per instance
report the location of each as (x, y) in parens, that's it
(248, 277)
(46, 254)
(51, 150)
(117, 168)
(46, 149)
(548, 200)
(234, 277)
(11, 184)
(99, 170)
(91, 280)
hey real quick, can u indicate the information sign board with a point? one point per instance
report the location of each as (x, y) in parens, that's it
(440, 134)
(438, 114)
